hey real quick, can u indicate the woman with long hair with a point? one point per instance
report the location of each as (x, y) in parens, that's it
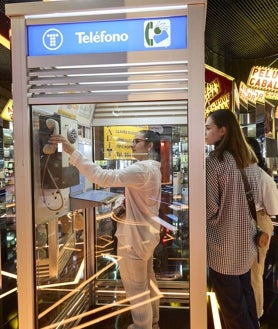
(231, 249)
(139, 234)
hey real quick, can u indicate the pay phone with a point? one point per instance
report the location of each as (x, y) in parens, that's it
(56, 172)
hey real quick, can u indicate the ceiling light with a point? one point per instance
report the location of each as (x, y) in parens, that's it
(108, 11)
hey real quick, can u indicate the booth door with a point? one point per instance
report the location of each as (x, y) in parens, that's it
(77, 272)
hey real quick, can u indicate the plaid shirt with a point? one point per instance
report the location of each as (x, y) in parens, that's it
(230, 227)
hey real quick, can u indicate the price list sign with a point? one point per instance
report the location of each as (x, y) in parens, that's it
(118, 141)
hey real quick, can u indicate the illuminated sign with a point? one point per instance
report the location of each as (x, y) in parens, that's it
(223, 102)
(212, 89)
(118, 141)
(8, 112)
(218, 90)
(247, 94)
(263, 78)
(271, 95)
(107, 36)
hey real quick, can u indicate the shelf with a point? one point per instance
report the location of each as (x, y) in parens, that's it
(93, 198)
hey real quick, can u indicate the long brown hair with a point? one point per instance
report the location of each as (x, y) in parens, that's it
(233, 141)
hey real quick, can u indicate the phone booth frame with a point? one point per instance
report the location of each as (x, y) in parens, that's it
(25, 14)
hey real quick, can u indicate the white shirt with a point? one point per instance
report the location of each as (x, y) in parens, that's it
(269, 200)
(142, 182)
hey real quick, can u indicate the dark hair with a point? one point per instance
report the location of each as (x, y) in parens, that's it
(252, 141)
(153, 137)
(233, 141)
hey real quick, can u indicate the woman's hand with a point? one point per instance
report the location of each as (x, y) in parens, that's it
(67, 146)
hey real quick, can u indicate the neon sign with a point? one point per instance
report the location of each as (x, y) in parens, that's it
(263, 78)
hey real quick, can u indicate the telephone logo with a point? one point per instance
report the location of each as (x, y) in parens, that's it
(157, 33)
(52, 39)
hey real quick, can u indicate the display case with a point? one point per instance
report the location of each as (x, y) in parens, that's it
(8, 256)
(7, 195)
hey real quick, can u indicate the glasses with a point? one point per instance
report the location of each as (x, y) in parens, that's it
(138, 140)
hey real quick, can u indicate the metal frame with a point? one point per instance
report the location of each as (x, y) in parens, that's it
(21, 14)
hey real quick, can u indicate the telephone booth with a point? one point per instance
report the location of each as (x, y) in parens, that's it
(97, 72)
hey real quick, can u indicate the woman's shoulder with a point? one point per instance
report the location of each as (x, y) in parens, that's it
(146, 164)
(254, 169)
(266, 178)
(149, 163)
(221, 168)
(228, 160)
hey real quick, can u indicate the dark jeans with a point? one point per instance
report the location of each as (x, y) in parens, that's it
(236, 299)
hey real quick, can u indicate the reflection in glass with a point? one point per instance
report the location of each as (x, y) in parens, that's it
(77, 268)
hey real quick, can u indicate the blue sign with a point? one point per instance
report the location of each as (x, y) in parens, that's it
(107, 36)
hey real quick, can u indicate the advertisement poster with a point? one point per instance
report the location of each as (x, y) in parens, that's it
(118, 141)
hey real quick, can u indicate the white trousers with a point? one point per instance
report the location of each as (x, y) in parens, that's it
(257, 269)
(136, 275)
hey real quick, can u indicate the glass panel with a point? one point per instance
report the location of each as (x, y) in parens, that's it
(58, 229)
(171, 256)
(77, 270)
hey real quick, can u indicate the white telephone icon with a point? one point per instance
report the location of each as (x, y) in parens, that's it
(52, 125)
